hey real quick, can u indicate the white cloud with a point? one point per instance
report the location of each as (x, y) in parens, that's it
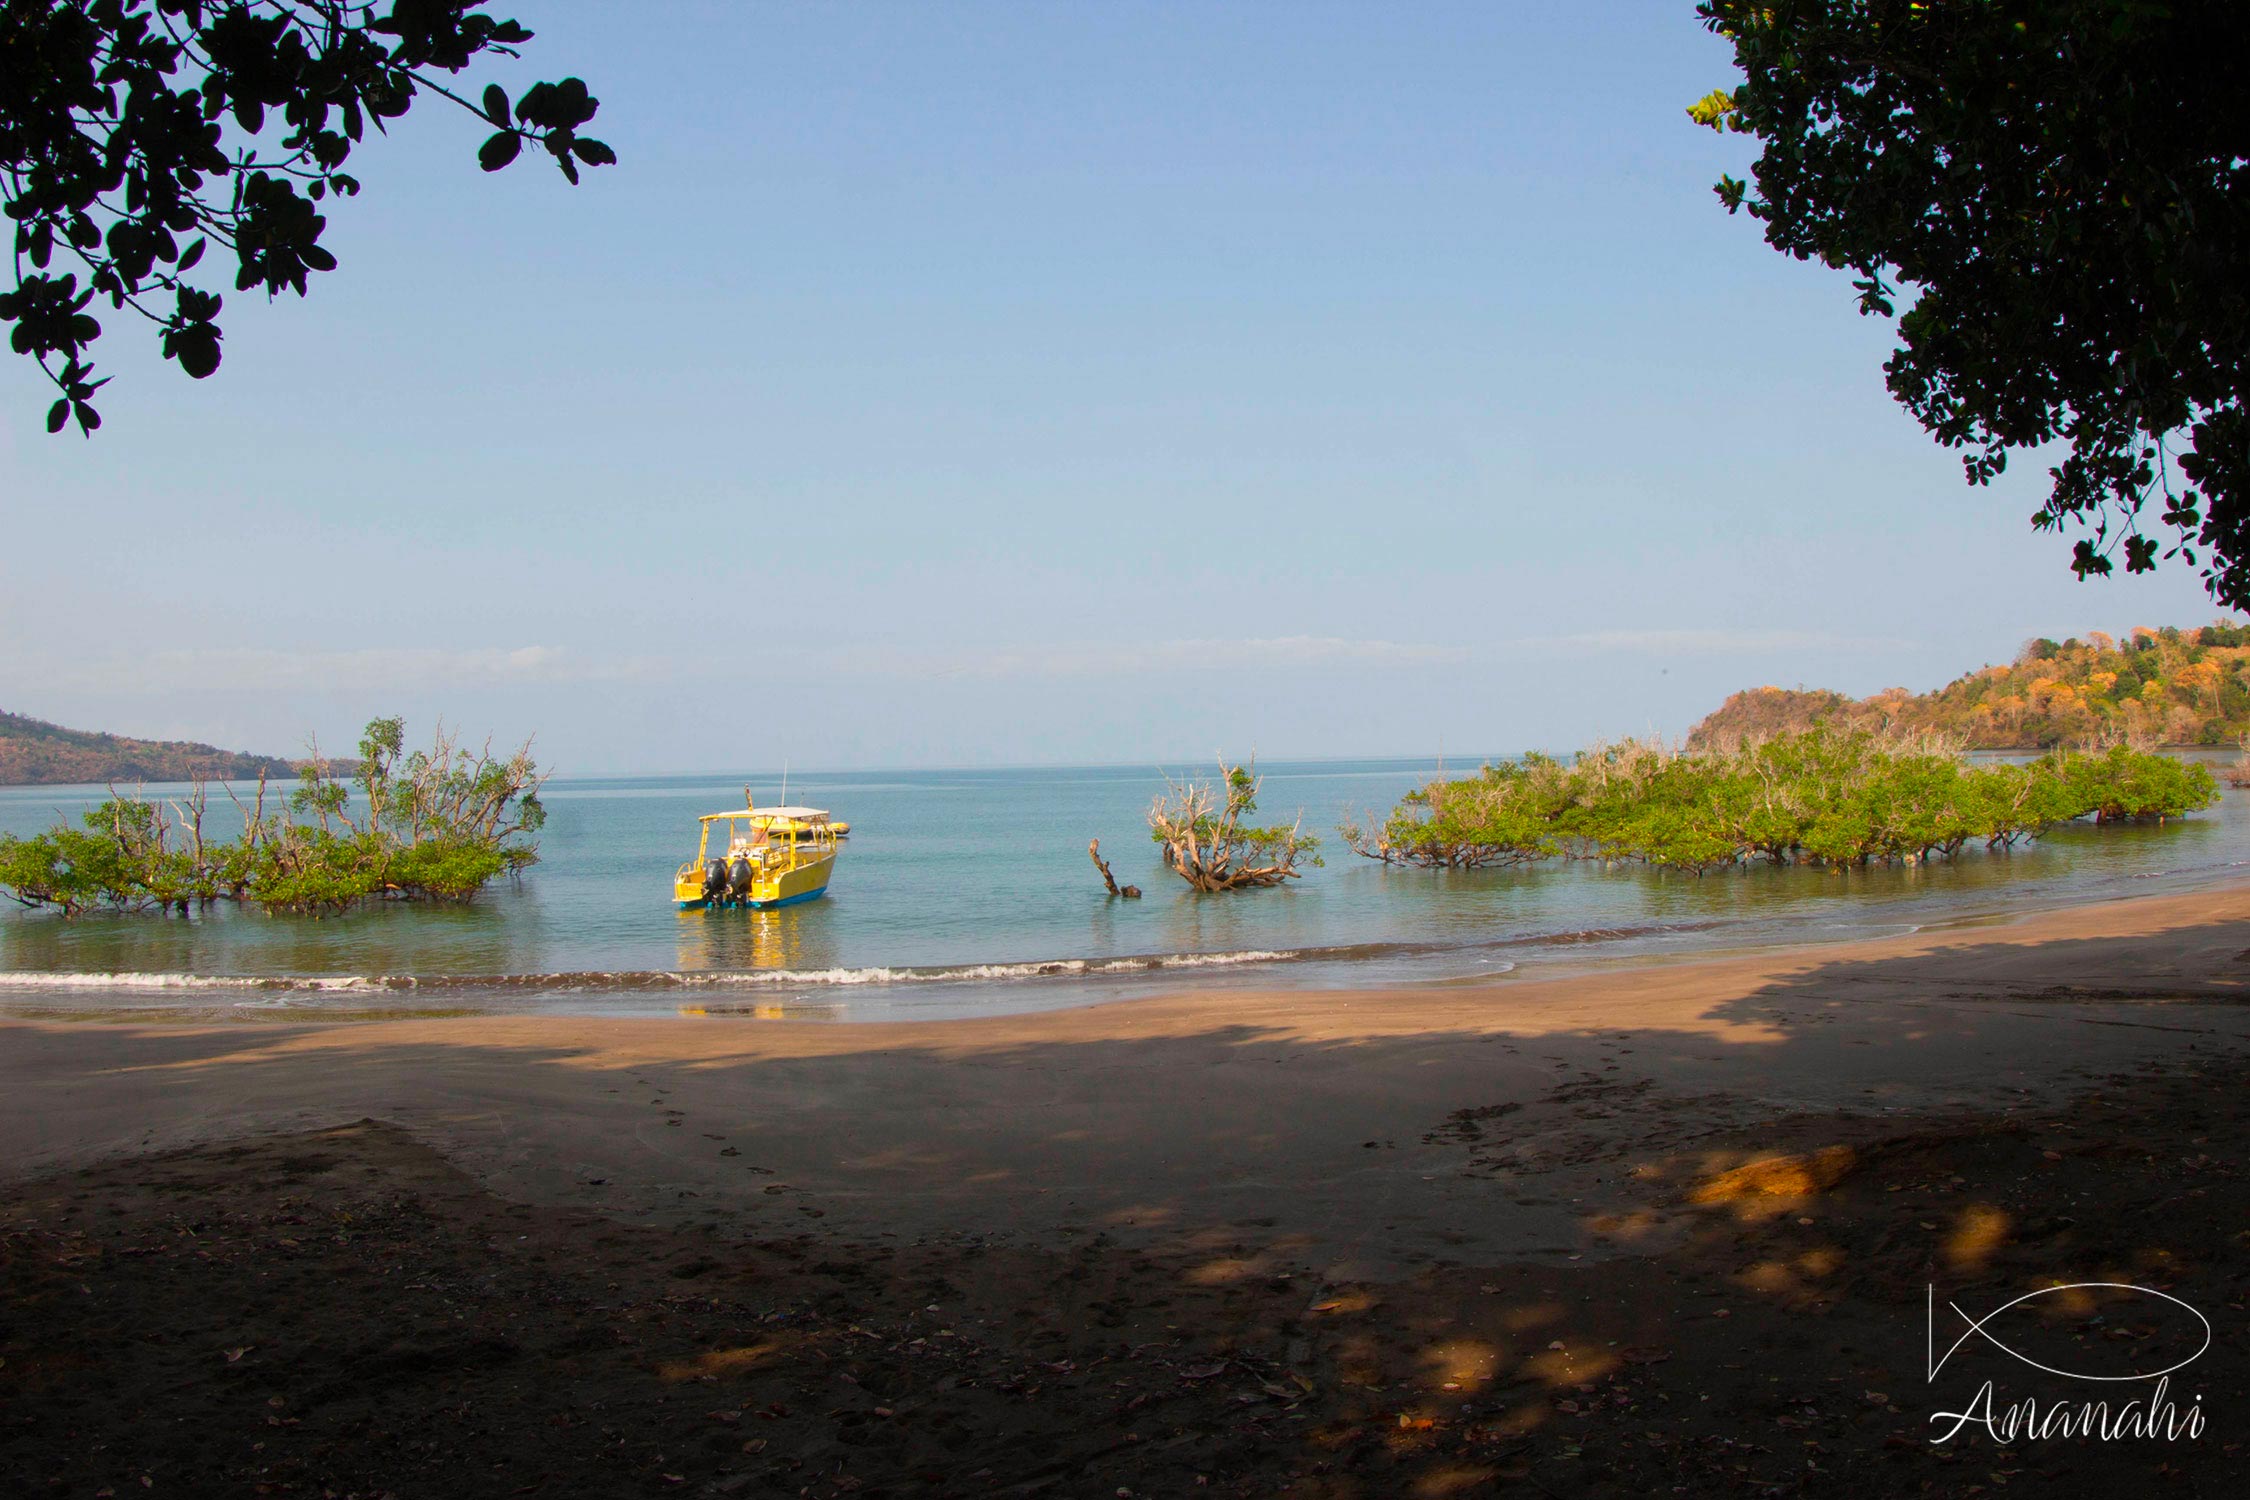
(232, 668)
(1090, 659)
(1720, 642)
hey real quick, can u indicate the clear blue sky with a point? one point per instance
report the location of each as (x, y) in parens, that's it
(1116, 382)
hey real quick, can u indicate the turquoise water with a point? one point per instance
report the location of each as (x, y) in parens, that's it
(968, 892)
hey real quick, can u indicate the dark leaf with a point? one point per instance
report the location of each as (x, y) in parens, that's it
(139, 156)
(196, 347)
(499, 150)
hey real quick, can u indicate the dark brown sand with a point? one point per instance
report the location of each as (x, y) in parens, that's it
(1655, 1230)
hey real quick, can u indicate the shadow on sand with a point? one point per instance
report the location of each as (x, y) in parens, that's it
(1188, 1254)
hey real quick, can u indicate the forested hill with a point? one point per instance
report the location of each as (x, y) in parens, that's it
(35, 753)
(2168, 686)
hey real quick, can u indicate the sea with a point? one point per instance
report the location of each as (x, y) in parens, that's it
(969, 892)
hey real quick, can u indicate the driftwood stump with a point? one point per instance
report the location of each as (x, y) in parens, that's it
(1094, 853)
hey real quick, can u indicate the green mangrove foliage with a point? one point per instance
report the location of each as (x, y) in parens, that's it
(1823, 796)
(436, 824)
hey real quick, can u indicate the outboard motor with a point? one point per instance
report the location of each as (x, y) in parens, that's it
(715, 880)
(738, 878)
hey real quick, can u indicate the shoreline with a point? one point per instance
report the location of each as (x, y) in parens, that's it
(1212, 1104)
(1025, 987)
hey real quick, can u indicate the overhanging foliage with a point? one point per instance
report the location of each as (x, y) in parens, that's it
(135, 134)
(2053, 190)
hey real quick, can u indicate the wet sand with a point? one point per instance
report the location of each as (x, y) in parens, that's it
(1386, 1242)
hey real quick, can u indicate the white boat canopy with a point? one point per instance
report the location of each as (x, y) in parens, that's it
(794, 814)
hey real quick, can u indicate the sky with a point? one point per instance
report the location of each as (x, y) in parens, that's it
(1028, 383)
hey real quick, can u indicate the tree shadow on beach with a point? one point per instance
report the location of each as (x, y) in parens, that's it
(1587, 1257)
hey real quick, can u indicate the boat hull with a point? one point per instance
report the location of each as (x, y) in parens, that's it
(806, 881)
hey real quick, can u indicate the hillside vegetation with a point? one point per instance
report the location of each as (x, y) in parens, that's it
(36, 753)
(2168, 686)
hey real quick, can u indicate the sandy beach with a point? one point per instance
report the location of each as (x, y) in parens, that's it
(1420, 1241)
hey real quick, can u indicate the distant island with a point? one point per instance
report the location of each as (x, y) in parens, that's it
(2156, 686)
(36, 753)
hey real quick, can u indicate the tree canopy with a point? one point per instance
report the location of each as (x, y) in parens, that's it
(134, 134)
(2052, 191)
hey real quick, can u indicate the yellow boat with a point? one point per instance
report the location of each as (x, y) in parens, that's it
(773, 856)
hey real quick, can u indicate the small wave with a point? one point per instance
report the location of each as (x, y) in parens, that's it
(631, 980)
(34, 980)
(1201, 960)
(658, 980)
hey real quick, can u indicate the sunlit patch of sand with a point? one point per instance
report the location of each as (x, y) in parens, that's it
(1796, 1277)
(1633, 1226)
(717, 1364)
(1821, 1260)
(1769, 1276)
(1462, 1364)
(1231, 1268)
(1772, 1185)
(1567, 1366)
(1977, 1233)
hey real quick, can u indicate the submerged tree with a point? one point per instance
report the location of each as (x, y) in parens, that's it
(134, 134)
(1199, 825)
(2054, 189)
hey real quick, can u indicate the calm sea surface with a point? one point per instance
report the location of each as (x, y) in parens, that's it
(969, 892)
